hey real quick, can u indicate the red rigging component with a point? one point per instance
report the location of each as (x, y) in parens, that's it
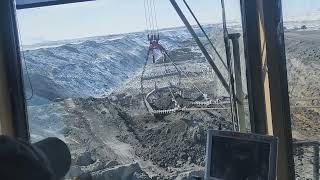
(155, 45)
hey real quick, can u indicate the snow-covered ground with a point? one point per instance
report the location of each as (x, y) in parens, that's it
(92, 66)
(95, 65)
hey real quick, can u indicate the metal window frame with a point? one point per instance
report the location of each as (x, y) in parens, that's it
(267, 77)
(17, 122)
(281, 123)
(48, 3)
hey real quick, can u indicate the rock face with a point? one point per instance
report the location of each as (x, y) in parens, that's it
(92, 66)
(87, 68)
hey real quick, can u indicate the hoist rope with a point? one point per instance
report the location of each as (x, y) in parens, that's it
(155, 17)
(151, 17)
(146, 17)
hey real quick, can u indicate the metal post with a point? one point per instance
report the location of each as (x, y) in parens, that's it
(201, 46)
(265, 53)
(6, 127)
(13, 98)
(255, 87)
(233, 103)
(278, 86)
(238, 78)
(316, 162)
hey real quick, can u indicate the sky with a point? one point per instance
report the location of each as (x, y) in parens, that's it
(103, 17)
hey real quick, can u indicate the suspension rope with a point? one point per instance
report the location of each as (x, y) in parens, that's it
(155, 17)
(146, 16)
(150, 16)
(204, 32)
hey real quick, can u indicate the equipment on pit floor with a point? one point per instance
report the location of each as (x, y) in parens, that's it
(202, 101)
(240, 156)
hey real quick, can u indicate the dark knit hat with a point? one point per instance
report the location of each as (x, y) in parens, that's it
(48, 159)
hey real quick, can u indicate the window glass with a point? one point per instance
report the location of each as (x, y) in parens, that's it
(302, 38)
(88, 82)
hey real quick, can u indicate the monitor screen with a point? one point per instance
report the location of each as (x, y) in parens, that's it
(238, 156)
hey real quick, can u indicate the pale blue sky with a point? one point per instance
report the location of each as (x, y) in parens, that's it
(104, 17)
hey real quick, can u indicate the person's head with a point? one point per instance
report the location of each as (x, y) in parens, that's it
(46, 160)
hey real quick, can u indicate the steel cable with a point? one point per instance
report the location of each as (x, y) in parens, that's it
(204, 32)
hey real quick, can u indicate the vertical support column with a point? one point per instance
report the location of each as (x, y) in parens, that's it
(264, 66)
(267, 77)
(238, 78)
(278, 86)
(251, 39)
(13, 106)
(6, 126)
